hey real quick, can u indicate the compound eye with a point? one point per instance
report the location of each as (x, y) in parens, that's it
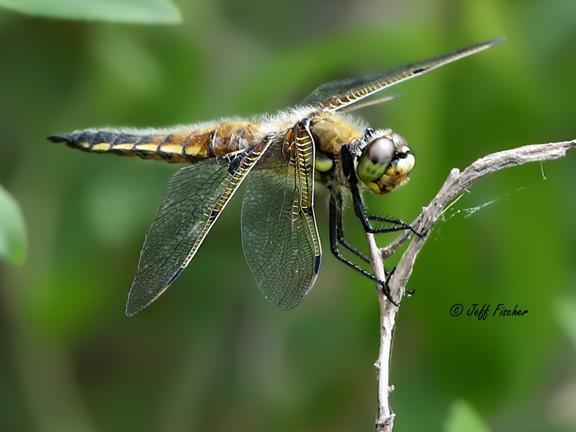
(375, 158)
(399, 141)
(381, 150)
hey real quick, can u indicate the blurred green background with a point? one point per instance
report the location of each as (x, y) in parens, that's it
(211, 355)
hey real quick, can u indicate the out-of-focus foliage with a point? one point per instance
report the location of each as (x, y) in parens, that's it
(211, 355)
(566, 313)
(127, 11)
(12, 229)
(462, 417)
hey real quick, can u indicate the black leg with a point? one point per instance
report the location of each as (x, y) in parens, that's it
(365, 218)
(335, 217)
(347, 155)
(340, 232)
(351, 248)
(336, 232)
(400, 224)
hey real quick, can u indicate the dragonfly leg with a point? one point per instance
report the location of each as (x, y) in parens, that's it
(359, 206)
(348, 246)
(335, 216)
(340, 230)
(366, 219)
(399, 223)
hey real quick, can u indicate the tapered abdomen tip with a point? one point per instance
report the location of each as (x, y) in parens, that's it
(58, 138)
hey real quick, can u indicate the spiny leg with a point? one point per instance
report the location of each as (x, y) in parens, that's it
(355, 251)
(400, 224)
(348, 246)
(340, 231)
(348, 165)
(335, 219)
(365, 218)
(360, 209)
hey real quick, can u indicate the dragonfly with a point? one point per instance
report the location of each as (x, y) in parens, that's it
(280, 158)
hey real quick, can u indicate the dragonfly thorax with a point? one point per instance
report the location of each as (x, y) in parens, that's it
(384, 161)
(277, 159)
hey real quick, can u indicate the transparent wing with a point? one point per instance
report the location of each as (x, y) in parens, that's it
(193, 201)
(336, 95)
(279, 233)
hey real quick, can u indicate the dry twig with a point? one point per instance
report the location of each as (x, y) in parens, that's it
(456, 183)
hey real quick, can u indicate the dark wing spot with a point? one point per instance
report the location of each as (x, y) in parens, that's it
(317, 262)
(175, 276)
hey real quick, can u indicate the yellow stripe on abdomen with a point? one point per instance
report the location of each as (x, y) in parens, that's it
(179, 145)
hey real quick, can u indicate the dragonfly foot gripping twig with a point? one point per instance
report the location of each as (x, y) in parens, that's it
(456, 183)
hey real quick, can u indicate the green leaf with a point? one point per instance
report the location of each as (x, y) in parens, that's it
(462, 417)
(565, 311)
(127, 11)
(12, 229)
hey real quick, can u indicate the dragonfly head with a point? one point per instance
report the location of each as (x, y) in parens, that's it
(385, 161)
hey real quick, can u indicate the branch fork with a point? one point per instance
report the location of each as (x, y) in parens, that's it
(456, 183)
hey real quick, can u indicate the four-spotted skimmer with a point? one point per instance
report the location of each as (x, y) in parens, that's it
(279, 158)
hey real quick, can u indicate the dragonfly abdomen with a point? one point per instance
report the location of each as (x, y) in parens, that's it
(179, 145)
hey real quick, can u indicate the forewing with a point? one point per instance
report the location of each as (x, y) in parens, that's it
(336, 95)
(193, 201)
(279, 233)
